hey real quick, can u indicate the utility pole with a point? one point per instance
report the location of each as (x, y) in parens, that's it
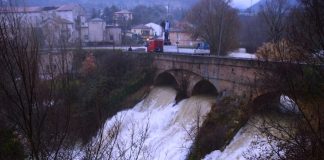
(168, 10)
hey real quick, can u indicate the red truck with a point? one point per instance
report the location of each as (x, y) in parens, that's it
(155, 45)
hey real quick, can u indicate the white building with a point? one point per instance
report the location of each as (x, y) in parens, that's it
(123, 15)
(57, 30)
(71, 14)
(143, 31)
(96, 28)
(97, 32)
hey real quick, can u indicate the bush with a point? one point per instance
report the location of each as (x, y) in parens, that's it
(101, 91)
(280, 51)
(10, 147)
(220, 126)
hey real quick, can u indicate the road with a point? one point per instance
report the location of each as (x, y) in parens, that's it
(175, 49)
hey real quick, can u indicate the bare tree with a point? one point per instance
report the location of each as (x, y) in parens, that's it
(34, 107)
(274, 13)
(306, 28)
(302, 80)
(216, 22)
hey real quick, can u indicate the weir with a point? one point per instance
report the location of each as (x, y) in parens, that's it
(157, 128)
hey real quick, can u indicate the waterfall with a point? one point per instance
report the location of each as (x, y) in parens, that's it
(156, 128)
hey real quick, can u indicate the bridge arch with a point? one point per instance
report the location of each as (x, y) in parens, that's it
(266, 100)
(166, 79)
(277, 101)
(204, 87)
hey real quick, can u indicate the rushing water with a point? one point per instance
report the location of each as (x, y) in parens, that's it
(249, 141)
(158, 129)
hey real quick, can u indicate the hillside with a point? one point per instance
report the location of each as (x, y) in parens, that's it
(256, 7)
(120, 3)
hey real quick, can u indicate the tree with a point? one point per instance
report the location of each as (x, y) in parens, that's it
(306, 28)
(95, 13)
(89, 64)
(302, 80)
(217, 23)
(252, 32)
(274, 14)
(37, 107)
(282, 50)
(108, 14)
(152, 14)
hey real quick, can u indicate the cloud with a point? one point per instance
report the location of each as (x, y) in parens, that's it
(242, 4)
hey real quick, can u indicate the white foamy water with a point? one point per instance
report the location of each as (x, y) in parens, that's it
(249, 136)
(155, 129)
(158, 129)
(239, 146)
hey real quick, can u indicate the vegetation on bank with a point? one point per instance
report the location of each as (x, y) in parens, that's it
(224, 120)
(10, 147)
(103, 91)
(102, 83)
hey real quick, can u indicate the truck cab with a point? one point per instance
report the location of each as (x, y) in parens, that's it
(155, 45)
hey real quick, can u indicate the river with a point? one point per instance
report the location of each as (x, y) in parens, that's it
(158, 129)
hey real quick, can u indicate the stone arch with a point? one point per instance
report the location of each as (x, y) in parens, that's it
(266, 100)
(186, 80)
(278, 100)
(204, 87)
(166, 79)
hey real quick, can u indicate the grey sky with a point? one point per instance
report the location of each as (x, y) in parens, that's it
(242, 4)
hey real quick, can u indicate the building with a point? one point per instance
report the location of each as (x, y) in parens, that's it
(113, 35)
(31, 14)
(182, 38)
(56, 30)
(123, 15)
(96, 29)
(72, 15)
(143, 30)
(96, 32)
(71, 12)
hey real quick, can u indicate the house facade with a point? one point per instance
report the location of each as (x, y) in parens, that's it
(143, 30)
(57, 31)
(123, 15)
(70, 15)
(182, 38)
(96, 31)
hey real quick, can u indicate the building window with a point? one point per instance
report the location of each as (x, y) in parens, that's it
(111, 37)
(86, 37)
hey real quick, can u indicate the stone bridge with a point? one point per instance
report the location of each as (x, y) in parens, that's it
(204, 74)
(234, 76)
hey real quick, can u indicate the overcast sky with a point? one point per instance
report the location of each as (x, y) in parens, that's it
(242, 4)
